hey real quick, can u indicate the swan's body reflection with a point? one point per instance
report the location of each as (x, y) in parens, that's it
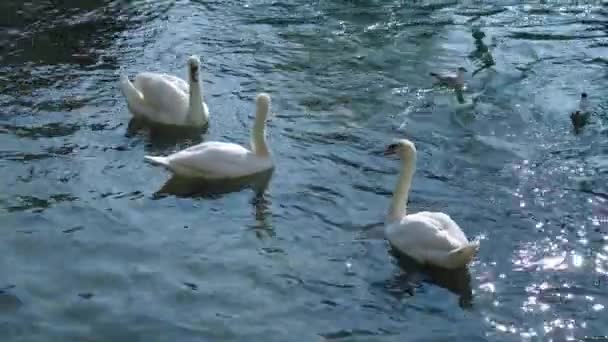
(457, 281)
(203, 188)
(200, 187)
(161, 137)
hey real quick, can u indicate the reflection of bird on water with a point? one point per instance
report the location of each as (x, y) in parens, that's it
(199, 187)
(580, 117)
(161, 137)
(457, 281)
(262, 227)
(203, 188)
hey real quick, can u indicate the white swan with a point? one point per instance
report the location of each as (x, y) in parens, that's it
(221, 160)
(451, 80)
(427, 237)
(167, 99)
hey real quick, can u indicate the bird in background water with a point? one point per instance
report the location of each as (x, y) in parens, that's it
(580, 117)
(451, 80)
(454, 81)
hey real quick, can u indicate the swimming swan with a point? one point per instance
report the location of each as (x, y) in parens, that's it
(167, 99)
(221, 160)
(427, 237)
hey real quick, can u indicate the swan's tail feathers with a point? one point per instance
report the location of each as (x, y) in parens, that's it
(128, 89)
(461, 256)
(162, 161)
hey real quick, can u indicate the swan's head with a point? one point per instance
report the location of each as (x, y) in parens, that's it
(194, 64)
(403, 148)
(462, 70)
(262, 103)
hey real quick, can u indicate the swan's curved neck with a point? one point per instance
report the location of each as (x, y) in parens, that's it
(258, 133)
(196, 112)
(399, 202)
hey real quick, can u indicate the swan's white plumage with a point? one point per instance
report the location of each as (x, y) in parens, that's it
(431, 237)
(219, 160)
(427, 237)
(166, 99)
(213, 160)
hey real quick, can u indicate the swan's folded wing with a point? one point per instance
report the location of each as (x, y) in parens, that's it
(163, 93)
(446, 222)
(418, 232)
(177, 82)
(216, 159)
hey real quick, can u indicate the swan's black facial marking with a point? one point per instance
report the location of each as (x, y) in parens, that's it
(194, 73)
(391, 149)
(584, 95)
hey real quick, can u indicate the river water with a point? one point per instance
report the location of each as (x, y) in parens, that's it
(89, 251)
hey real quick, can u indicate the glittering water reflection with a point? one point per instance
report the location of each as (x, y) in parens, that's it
(565, 259)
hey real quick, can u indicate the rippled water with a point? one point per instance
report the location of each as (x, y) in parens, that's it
(90, 252)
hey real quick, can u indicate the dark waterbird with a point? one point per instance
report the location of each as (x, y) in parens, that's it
(580, 117)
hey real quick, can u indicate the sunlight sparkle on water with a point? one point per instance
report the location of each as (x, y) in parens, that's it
(349, 268)
(577, 260)
(489, 287)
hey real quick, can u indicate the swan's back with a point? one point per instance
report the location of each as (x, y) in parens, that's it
(219, 160)
(426, 236)
(173, 80)
(447, 224)
(167, 94)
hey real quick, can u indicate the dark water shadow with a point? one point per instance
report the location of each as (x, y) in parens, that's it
(262, 227)
(48, 130)
(9, 303)
(457, 281)
(50, 32)
(204, 188)
(161, 137)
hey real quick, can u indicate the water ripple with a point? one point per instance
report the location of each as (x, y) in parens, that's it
(89, 249)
